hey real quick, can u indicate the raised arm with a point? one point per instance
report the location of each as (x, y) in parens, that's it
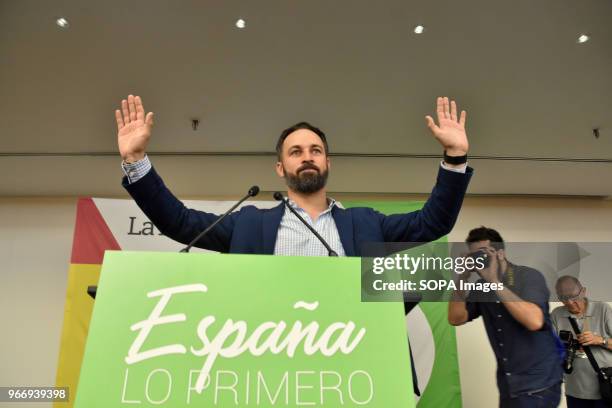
(438, 215)
(168, 213)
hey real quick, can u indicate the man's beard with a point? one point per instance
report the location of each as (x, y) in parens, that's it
(306, 182)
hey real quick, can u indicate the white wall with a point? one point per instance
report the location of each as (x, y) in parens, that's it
(35, 245)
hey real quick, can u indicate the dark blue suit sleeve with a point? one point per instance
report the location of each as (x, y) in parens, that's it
(175, 220)
(438, 215)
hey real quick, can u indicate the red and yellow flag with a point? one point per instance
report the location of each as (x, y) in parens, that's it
(91, 238)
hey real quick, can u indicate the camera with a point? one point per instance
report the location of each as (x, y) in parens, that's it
(571, 346)
(480, 254)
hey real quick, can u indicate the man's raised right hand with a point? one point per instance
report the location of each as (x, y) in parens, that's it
(133, 129)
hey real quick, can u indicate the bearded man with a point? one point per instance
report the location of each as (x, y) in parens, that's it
(303, 161)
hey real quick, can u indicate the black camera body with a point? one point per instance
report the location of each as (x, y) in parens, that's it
(571, 346)
(482, 254)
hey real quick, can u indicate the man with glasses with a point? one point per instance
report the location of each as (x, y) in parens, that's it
(595, 322)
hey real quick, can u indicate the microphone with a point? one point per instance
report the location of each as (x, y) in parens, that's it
(253, 191)
(279, 197)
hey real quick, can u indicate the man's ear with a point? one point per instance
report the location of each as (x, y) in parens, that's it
(328, 162)
(501, 254)
(279, 169)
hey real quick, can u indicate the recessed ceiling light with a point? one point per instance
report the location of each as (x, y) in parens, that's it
(419, 29)
(62, 22)
(240, 23)
(583, 38)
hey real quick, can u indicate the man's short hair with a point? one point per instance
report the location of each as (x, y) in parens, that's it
(297, 126)
(568, 279)
(483, 233)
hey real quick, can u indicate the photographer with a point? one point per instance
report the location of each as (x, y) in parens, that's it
(517, 323)
(595, 322)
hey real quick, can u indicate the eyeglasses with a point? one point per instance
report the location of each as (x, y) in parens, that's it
(571, 298)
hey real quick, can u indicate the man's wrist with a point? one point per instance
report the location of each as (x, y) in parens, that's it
(455, 151)
(455, 159)
(133, 158)
(137, 170)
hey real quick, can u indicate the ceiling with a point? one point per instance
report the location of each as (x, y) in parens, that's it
(354, 68)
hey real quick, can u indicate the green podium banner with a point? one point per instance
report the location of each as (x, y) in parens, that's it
(208, 330)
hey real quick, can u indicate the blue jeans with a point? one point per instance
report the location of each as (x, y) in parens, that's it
(573, 402)
(548, 398)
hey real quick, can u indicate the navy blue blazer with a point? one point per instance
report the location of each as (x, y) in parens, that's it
(253, 231)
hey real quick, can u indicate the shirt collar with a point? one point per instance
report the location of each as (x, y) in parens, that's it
(331, 203)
